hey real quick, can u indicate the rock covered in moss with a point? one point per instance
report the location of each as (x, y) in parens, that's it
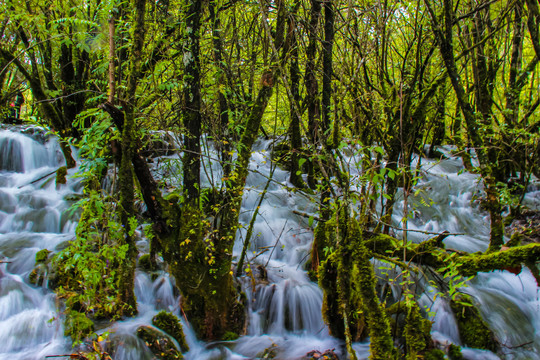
(319, 355)
(473, 330)
(230, 336)
(434, 354)
(454, 352)
(171, 325)
(159, 343)
(37, 275)
(42, 256)
(146, 263)
(417, 332)
(61, 174)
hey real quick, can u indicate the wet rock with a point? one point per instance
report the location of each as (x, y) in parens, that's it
(318, 355)
(473, 330)
(61, 174)
(159, 343)
(268, 353)
(171, 325)
(38, 275)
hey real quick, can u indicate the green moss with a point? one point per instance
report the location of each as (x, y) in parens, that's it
(434, 354)
(351, 305)
(454, 352)
(229, 336)
(198, 256)
(331, 308)
(417, 332)
(35, 277)
(500, 260)
(42, 256)
(146, 264)
(77, 325)
(171, 325)
(473, 330)
(161, 346)
(61, 174)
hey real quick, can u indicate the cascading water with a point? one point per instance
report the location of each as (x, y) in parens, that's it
(284, 305)
(32, 217)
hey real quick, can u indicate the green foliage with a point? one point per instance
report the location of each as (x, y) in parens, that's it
(95, 144)
(78, 326)
(452, 276)
(87, 271)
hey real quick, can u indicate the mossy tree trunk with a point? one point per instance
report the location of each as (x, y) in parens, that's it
(348, 280)
(224, 136)
(312, 87)
(191, 158)
(294, 109)
(125, 176)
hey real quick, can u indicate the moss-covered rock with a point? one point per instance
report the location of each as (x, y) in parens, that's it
(434, 354)
(42, 256)
(78, 325)
(146, 263)
(37, 275)
(473, 330)
(230, 336)
(171, 325)
(454, 352)
(61, 174)
(159, 343)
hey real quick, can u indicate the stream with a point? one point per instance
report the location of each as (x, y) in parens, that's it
(285, 306)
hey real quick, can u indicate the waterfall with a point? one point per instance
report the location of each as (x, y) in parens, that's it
(283, 304)
(31, 209)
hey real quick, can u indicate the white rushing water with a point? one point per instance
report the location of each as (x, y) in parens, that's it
(284, 306)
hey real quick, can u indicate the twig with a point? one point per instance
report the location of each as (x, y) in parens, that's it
(277, 240)
(306, 215)
(41, 178)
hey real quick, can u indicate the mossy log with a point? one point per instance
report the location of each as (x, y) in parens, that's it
(433, 253)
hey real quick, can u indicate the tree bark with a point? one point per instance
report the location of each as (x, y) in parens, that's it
(192, 112)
